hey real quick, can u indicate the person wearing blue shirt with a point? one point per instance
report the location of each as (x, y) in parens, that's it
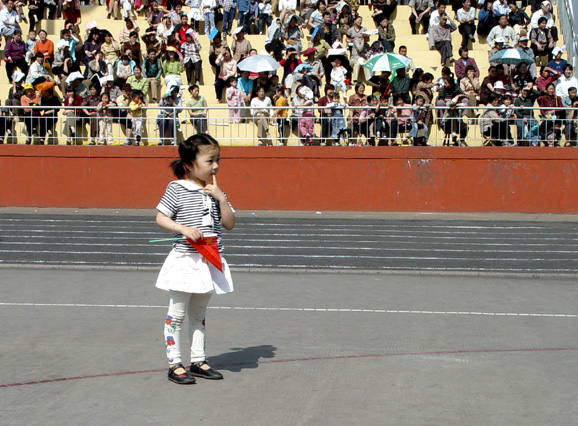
(557, 63)
(243, 8)
(486, 19)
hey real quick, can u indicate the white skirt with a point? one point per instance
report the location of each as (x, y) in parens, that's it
(191, 273)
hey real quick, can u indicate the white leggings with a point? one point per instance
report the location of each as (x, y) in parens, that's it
(196, 306)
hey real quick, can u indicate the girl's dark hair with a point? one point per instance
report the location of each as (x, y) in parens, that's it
(427, 76)
(188, 151)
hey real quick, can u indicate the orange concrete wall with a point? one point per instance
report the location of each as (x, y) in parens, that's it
(305, 178)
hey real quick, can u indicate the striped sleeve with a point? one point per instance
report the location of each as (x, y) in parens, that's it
(169, 202)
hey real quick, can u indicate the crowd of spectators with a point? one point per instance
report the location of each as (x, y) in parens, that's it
(321, 47)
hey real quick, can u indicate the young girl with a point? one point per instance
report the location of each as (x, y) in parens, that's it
(104, 114)
(338, 126)
(418, 128)
(193, 207)
(338, 74)
(234, 101)
(281, 114)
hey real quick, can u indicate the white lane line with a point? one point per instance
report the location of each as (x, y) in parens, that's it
(340, 248)
(232, 237)
(308, 256)
(274, 225)
(282, 309)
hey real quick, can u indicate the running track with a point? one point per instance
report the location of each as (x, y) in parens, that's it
(317, 242)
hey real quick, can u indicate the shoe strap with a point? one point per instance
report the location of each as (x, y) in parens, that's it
(173, 368)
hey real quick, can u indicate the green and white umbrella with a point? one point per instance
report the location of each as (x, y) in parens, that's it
(387, 62)
(511, 57)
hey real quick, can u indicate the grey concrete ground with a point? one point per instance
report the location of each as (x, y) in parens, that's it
(295, 349)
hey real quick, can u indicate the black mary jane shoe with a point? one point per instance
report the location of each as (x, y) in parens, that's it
(181, 379)
(211, 374)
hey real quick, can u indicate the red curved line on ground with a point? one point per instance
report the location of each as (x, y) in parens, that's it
(324, 358)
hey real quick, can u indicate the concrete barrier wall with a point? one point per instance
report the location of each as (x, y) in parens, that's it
(439, 179)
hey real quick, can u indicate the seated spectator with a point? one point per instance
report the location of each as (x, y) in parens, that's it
(96, 69)
(557, 63)
(29, 45)
(442, 39)
(400, 85)
(264, 81)
(289, 63)
(356, 31)
(486, 19)
(451, 92)
(37, 73)
(44, 46)
(124, 69)
(547, 76)
(63, 63)
(293, 34)
(523, 47)
(382, 9)
(172, 68)
(91, 46)
(525, 114)
(386, 34)
(152, 41)
(328, 30)
(14, 55)
(180, 30)
(286, 9)
(318, 69)
(262, 113)
(133, 44)
(165, 28)
(502, 31)
(154, 15)
(551, 108)
(228, 67)
(518, 19)
(35, 12)
(152, 72)
(240, 45)
(359, 56)
(470, 86)
(493, 126)
(195, 14)
(453, 125)
(273, 40)
(546, 13)
(542, 42)
(129, 27)
(498, 45)
(403, 52)
(30, 98)
(245, 84)
(420, 12)
(15, 93)
(436, 15)
(566, 81)
(138, 82)
(522, 78)
(71, 10)
(500, 8)
(316, 17)
(111, 51)
(338, 75)
(216, 48)
(461, 65)
(9, 20)
(467, 28)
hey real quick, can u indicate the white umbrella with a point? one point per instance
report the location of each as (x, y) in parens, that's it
(511, 57)
(74, 76)
(259, 63)
(387, 62)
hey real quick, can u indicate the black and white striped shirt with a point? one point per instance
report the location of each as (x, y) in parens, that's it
(187, 204)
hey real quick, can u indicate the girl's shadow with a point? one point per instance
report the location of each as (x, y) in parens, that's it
(241, 358)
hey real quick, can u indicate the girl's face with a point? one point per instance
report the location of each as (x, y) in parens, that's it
(507, 102)
(105, 99)
(360, 90)
(195, 92)
(471, 73)
(93, 91)
(261, 94)
(42, 36)
(205, 166)
(137, 73)
(234, 83)
(419, 102)
(551, 90)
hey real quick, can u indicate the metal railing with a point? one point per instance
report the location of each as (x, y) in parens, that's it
(459, 126)
(569, 28)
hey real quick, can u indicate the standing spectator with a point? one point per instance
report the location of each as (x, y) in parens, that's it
(467, 28)
(492, 126)
(209, 7)
(229, 7)
(420, 12)
(525, 114)
(325, 114)
(71, 10)
(358, 99)
(49, 114)
(400, 85)
(192, 58)
(240, 46)
(9, 20)
(104, 114)
(71, 99)
(152, 72)
(235, 99)
(15, 93)
(30, 98)
(281, 114)
(90, 104)
(570, 129)
(35, 12)
(442, 38)
(195, 14)
(14, 55)
(137, 113)
(123, 102)
(243, 7)
(228, 67)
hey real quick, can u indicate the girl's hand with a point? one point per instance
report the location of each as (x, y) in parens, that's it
(191, 233)
(214, 191)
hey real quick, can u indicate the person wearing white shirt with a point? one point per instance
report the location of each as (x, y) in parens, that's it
(9, 20)
(434, 18)
(566, 81)
(500, 8)
(503, 30)
(545, 12)
(286, 9)
(261, 110)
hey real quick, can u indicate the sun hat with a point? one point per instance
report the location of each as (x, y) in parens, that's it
(499, 40)
(238, 30)
(309, 51)
(499, 85)
(28, 86)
